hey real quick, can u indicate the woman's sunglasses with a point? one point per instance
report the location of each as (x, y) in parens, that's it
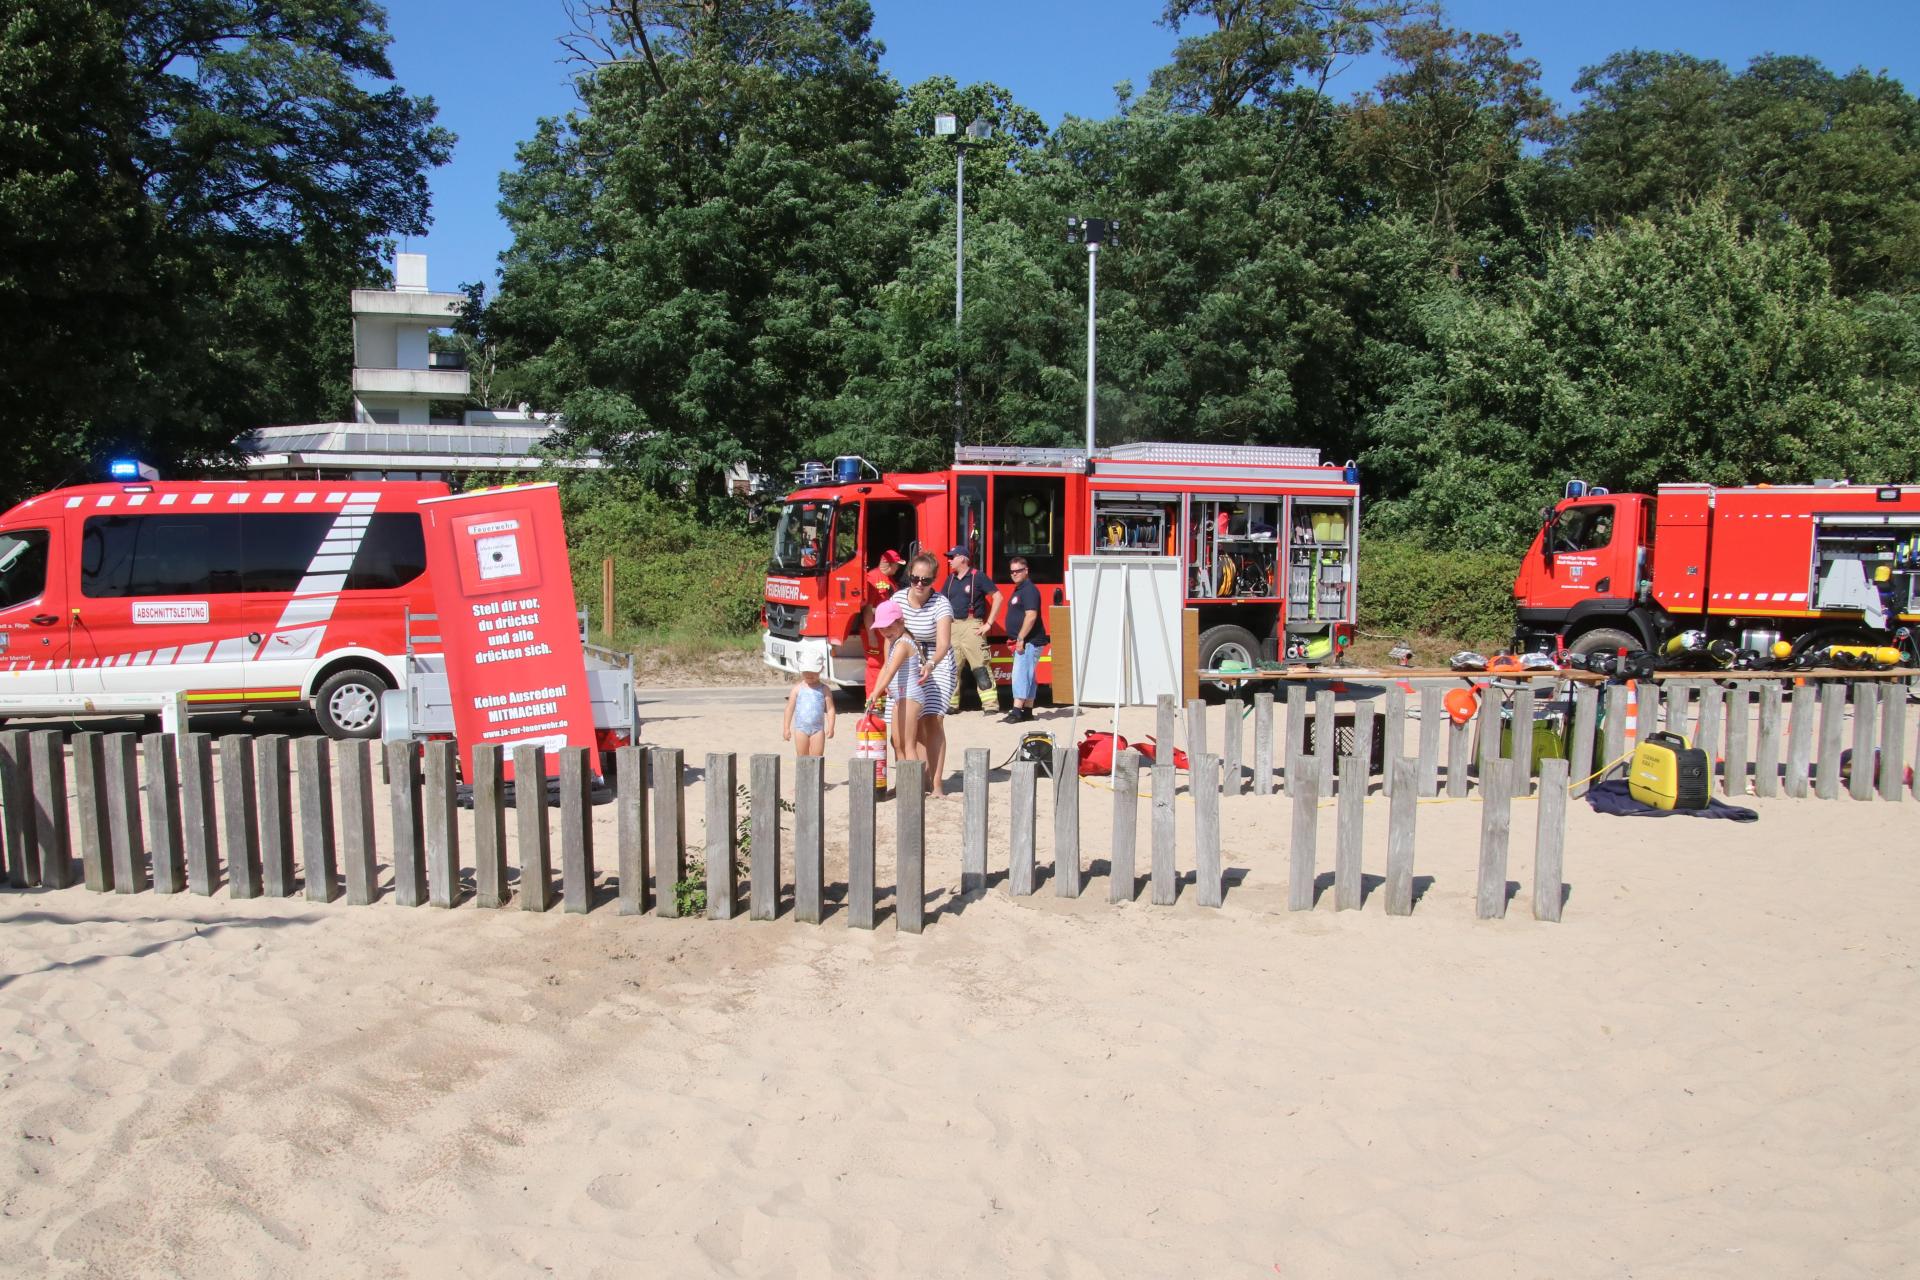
(920, 582)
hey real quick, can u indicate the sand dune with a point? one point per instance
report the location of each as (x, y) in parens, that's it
(1703, 1072)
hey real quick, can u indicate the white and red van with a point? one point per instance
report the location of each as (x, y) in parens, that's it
(238, 594)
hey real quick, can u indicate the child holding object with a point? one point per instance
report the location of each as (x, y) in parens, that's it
(809, 719)
(899, 681)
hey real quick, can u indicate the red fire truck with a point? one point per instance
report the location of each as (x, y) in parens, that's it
(1741, 571)
(1267, 538)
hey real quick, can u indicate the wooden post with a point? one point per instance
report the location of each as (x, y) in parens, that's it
(1364, 715)
(860, 843)
(123, 814)
(910, 845)
(1346, 846)
(630, 829)
(199, 817)
(1459, 752)
(488, 779)
(90, 822)
(1165, 887)
(606, 598)
(22, 845)
(1432, 716)
(1893, 741)
(1301, 853)
(1734, 772)
(1766, 756)
(1800, 741)
(1021, 833)
(1233, 772)
(669, 805)
(1293, 733)
(318, 864)
(1262, 744)
(1648, 715)
(1401, 815)
(973, 822)
(409, 839)
(1206, 829)
(1709, 734)
(1490, 902)
(1677, 694)
(723, 827)
(273, 783)
(1196, 729)
(356, 821)
(438, 820)
(576, 828)
(1165, 715)
(809, 838)
(1126, 799)
(1325, 735)
(1394, 745)
(1522, 754)
(1833, 695)
(48, 767)
(1066, 823)
(1866, 731)
(1549, 842)
(1614, 740)
(533, 841)
(1586, 703)
(764, 814)
(239, 816)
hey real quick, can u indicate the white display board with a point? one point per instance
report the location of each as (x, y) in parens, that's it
(1126, 628)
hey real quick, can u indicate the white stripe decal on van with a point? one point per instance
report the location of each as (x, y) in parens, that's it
(74, 502)
(302, 499)
(195, 653)
(274, 499)
(202, 499)
(232, 650)
(168, 499)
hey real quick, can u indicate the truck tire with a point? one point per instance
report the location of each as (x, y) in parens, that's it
(1231, 642)
(347, 704)
(1605, 640)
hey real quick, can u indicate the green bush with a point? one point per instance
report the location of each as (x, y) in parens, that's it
(1410, 588)
(672, 571)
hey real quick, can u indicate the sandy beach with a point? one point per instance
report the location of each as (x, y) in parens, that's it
(1703, 1071)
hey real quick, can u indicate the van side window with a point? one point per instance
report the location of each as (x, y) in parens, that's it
(23, 566)
(160, 555)
(281, 549)
(393, 553)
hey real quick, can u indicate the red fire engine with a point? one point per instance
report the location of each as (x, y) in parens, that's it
(1747, 576)
(1267, 538)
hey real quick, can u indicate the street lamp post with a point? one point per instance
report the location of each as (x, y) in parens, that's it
(1092, 232)
(947, 125)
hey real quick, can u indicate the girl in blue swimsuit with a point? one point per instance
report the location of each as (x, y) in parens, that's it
(809, 719)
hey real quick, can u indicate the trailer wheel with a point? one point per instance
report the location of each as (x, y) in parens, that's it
(1228, 643)
(1605, 640)
(348, 704)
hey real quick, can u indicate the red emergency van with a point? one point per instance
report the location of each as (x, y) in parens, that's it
(238, 594)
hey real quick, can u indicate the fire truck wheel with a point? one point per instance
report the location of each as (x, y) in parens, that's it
(1228, 644)
(1605, 640)
(348, 704)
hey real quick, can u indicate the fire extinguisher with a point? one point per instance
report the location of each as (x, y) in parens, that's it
(870, 743)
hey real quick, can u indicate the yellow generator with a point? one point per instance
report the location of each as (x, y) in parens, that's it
(1667, 773)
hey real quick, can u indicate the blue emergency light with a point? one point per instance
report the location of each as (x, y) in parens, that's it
(129, 469)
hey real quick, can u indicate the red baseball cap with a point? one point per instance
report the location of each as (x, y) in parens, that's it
(890, 556)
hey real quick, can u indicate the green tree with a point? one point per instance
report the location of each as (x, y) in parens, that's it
(187, 193)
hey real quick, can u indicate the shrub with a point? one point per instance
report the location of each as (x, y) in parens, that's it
(1410, 588)
(672, 572)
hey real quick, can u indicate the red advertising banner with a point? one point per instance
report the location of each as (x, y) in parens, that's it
(508, 622)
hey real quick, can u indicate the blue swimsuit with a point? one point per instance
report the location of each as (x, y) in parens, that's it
(810, 710)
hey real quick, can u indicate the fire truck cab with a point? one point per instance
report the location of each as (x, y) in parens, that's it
(1741, 569)
(1268, 540)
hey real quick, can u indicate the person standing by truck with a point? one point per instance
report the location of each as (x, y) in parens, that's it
(975, 606)
(1029, 638)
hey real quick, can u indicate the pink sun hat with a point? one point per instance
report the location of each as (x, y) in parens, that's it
(886, 614)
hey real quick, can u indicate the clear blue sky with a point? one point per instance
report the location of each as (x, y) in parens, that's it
(494, 68)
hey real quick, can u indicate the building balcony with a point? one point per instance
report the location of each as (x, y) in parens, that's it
(436, 384)
(441, 308)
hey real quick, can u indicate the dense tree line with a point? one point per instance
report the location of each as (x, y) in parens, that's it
(740, 247)
(188, 193)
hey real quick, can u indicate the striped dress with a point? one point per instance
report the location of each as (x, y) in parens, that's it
(932, 689)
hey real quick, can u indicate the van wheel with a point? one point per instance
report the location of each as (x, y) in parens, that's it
(348, 704)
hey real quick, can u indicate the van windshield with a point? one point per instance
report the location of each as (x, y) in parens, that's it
(800, 537)
(23, 566)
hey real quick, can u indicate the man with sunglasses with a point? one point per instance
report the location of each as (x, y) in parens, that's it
(975, 606)
(1029, 634)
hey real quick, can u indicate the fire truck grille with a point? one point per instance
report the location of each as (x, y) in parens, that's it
(786, 620)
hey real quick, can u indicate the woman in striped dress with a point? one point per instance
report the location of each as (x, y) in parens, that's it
(923, 699)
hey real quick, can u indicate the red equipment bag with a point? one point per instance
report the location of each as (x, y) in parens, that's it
(1150, 747)
(1096, 753)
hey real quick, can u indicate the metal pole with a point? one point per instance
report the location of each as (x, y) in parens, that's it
(1093, 278)
(959, 286)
